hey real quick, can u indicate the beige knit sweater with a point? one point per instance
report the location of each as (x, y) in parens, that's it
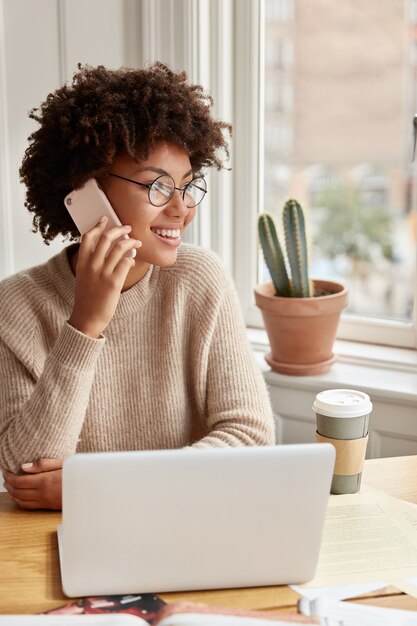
(174, 367)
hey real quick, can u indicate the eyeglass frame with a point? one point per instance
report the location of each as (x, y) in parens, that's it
(149, 186)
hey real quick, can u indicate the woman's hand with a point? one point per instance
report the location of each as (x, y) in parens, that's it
(102, 267)
(39, 488)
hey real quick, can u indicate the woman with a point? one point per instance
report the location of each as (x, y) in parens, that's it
(102, 351)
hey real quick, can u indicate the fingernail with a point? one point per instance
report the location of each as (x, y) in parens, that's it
(128, 228)
(26, 466)
(103, 219)
(138, 243)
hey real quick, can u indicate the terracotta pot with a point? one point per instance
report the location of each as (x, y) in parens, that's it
(301, 331)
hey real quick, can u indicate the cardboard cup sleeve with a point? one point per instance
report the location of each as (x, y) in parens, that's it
(350, 454)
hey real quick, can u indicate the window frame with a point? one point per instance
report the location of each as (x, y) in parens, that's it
(197, 36)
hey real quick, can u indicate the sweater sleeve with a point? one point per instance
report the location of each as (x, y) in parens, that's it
(44, 418)
(238, 409)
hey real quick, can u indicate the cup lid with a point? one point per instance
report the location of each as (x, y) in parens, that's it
(342, 403)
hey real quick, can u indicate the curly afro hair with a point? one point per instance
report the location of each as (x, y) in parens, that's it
(102, 113)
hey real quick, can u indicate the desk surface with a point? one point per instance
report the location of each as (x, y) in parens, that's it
(29, 569)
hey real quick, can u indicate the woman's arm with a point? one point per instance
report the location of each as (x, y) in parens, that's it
(238, 406)
(44, 418)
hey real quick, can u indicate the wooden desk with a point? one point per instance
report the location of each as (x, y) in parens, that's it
(29, 569)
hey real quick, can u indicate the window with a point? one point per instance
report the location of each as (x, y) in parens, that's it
(341, 144)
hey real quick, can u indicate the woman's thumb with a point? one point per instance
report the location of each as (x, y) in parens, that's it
(42, 465)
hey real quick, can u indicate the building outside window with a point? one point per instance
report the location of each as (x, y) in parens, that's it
(342, 142)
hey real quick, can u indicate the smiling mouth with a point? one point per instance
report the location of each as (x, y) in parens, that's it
(168, 234)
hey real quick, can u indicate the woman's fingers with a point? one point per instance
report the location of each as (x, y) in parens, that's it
(90, 238)
(27, 504)
(42, 490)
(107, 241)
(23, 487)
(42, 465)
(122, 269)
(119, 251)
(22, 481)
(97, 241)
(22, 494)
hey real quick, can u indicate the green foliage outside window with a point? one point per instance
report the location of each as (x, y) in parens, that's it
(350, 227)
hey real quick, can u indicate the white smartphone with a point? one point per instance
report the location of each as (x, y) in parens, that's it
(87, 205)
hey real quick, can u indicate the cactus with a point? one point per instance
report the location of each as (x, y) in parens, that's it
(296, 245)
(299, 285)
(273, 255)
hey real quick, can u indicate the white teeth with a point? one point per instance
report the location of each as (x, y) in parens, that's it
(167, 233)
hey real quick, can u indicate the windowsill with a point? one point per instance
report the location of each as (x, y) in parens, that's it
(383, 372)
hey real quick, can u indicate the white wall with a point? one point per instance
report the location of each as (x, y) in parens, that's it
(41, 43)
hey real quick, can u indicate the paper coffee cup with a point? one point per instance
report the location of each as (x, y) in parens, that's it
(342, 419)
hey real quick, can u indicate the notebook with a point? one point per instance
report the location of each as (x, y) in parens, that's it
(175, 520)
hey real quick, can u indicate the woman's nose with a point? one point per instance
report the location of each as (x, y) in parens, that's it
(176, 205)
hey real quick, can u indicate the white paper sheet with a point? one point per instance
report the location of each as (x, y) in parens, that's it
(340, 592)
(351, 614)
(367, 537)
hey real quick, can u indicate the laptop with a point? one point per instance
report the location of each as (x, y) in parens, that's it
(176, 520)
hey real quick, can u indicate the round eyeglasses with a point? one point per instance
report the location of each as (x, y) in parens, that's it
(161, 190)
